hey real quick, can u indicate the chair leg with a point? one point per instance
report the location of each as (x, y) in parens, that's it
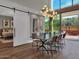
(42, 46)
(46, 49)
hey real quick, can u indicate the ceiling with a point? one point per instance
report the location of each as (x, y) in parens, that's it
(34, 4)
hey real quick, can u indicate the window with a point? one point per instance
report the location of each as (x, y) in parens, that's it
(66, 3)
(75, 2)
(46, 23)
(56, 25)
(55, 4)
(70, 23)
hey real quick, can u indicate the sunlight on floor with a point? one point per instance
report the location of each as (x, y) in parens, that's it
(72, 37)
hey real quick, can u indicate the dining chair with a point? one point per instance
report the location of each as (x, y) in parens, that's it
(54, 44)
(36, 40)
(43, 40)
(63, 37)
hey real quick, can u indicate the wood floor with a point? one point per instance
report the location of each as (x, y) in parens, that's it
(6, 43)
(70, 51)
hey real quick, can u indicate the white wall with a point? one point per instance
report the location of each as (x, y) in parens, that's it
(1, 23)
(21, 22)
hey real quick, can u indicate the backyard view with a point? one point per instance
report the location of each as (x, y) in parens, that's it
(55, 25)
(70, 24)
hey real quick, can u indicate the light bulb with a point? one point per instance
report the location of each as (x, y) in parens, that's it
(45, 6)
(55, 12)
(41, 12)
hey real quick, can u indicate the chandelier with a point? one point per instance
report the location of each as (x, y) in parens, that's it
(47, 11)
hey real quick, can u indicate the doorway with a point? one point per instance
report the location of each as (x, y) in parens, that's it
(6, 27)
(6, 31)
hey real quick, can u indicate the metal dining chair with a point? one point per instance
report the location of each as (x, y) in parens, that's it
(36, 40)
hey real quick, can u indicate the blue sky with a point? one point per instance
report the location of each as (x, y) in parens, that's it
(76, 1)
(64, 3)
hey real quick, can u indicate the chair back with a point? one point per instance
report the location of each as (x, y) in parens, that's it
(64, 35)
(34, 36)
(54, 39)
(42, 35)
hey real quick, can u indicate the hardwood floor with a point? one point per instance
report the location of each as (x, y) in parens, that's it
(70, 51)
(6, 43)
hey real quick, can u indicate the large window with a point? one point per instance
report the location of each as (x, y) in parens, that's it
(46, 22)
(70, 24)
(66, 3)
(55, 4)
(75, 2)
(56, 25)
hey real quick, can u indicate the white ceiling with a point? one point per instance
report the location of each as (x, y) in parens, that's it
(34, 4)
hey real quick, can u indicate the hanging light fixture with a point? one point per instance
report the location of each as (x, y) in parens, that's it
(47, 11)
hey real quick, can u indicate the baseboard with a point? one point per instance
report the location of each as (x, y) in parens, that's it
(30, 41)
